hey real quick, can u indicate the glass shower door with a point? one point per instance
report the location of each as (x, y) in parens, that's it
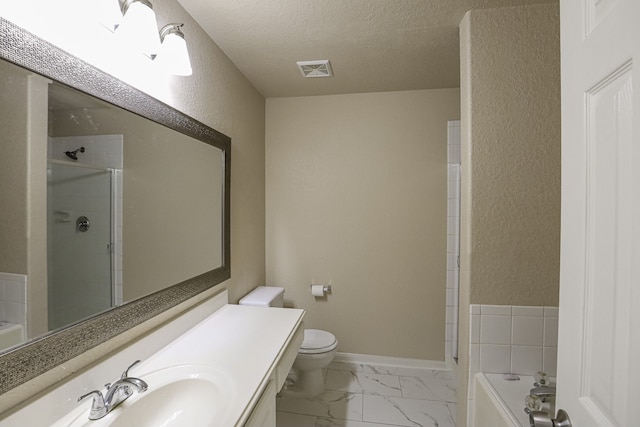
(79, 242)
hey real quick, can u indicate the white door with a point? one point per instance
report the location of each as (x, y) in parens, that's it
(599, 332)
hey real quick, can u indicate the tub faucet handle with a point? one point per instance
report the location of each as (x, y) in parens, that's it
(540, 379)
(544, 391)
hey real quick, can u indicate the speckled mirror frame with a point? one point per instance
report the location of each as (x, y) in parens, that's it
(43, 354)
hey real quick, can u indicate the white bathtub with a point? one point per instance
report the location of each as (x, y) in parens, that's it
(500, 403)
(10, 334)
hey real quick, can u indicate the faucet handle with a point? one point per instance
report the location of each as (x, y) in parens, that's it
(541, 379)
(125, 374)
(98, 407)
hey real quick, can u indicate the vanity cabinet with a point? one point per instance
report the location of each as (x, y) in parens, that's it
(288, 357)
(264, 412)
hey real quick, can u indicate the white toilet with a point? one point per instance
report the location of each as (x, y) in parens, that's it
(316, 351)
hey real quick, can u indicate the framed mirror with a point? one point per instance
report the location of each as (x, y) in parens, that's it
(116, 206)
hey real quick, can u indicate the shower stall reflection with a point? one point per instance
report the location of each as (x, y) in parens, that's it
(79, 249)
(84, 227)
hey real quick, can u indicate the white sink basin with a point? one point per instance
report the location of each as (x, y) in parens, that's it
(186, 395)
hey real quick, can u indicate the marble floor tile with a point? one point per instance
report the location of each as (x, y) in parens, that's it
(328, 422)
(330, 404)
(345, 366)
(406, 412)
(378, 369)
(284, 419)
(374, 396)
(408, 372)
(434, 388)
(453, 409)
(364, 383)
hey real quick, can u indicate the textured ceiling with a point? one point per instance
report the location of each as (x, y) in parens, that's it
(373, 45)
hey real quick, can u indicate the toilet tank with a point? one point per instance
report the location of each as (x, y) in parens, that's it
(264, 296)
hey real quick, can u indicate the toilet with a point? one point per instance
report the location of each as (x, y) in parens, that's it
(316, 351)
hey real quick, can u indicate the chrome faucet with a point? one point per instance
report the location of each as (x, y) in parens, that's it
(543, 391)
(117, 393)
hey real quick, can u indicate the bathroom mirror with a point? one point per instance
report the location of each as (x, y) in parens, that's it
(164, 202)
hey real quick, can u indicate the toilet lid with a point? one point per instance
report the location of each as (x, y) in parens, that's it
(317, 341)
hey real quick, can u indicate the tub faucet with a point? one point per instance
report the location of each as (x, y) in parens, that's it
(117, 393)
(543, 391)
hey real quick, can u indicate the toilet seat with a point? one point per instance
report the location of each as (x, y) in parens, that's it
(317, 341)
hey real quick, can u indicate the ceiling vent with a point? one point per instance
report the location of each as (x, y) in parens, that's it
(315, 68)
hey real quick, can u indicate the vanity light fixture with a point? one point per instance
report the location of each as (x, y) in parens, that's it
(110, 14)
(139, 26)
(134, 23)
(174, 55)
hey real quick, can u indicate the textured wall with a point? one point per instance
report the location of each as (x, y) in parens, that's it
(356, 198)
(510, 102)
(13, 171)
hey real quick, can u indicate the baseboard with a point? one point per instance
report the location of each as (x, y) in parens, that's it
(399, 362)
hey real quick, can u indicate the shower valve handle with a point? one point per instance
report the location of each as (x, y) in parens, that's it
(82, 224)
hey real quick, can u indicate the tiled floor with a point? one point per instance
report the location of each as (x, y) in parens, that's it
(370, 396)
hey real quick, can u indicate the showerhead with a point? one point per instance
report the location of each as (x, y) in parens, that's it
(73, 155)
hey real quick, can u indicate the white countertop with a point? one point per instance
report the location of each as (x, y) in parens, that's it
(243, 342)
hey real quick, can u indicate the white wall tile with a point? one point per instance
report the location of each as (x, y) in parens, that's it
(474, 308)
(527, 330)
(495, 329)
(15, 292)
(498, 310)
(518, 310)
(551, 311)
(550, 332)
(526, 360)
(475, 329)
(550, 360)
(495, 358)
(14, 312)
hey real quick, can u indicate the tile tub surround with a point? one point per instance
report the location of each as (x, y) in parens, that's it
(360, 395)
(453, 239)
(517, 339)
(13, 299)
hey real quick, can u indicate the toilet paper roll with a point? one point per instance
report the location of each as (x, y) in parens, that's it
(317, 290)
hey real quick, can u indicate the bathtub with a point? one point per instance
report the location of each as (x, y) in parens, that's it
(500, 403)
(10, 334)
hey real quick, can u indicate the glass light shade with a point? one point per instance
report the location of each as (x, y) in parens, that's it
(139, 28)
(110, 15)
(173, 55)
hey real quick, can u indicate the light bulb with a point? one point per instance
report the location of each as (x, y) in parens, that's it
(174, 55)
(139, 28)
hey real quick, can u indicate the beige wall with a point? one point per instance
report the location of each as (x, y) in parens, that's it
(23, 117)
(13, 171)
(356, 198)
(510, 216)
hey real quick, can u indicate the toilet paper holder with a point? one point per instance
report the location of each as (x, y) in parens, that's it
(320, 290)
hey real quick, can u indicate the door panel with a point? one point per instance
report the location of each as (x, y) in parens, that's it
(600, 257)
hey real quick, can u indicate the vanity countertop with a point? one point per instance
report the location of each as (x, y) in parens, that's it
(242, 343)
